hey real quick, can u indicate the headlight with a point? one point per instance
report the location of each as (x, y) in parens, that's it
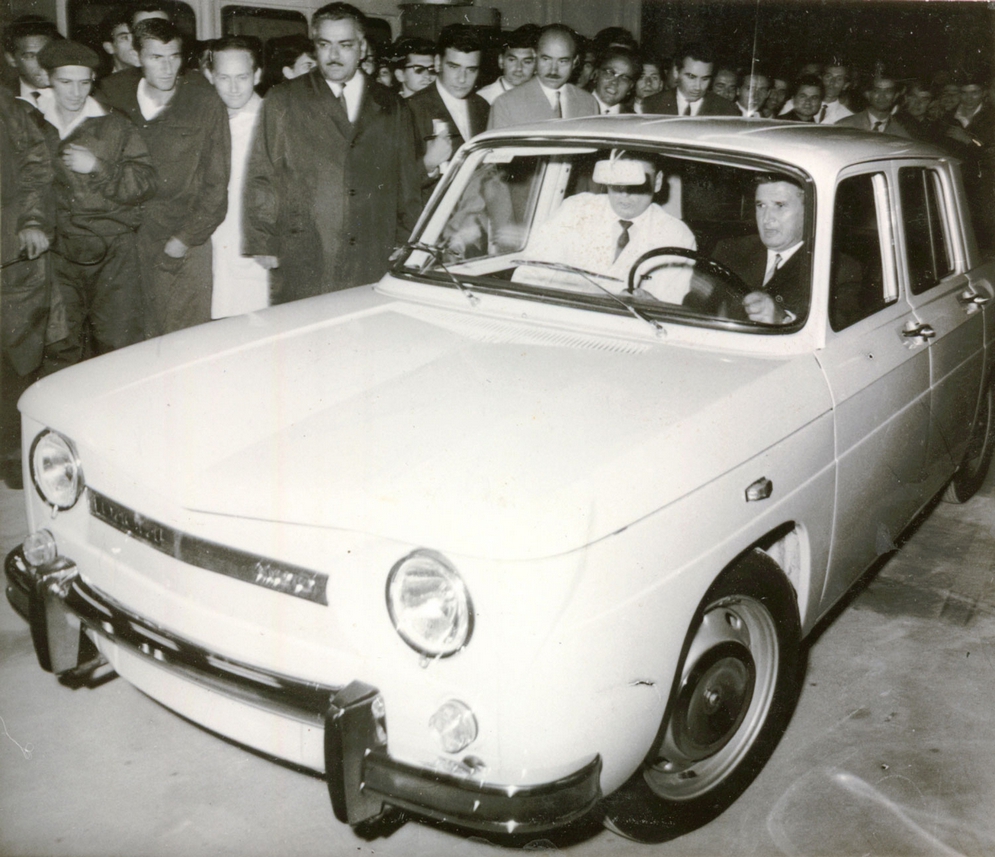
(429, 604)
(55, 470)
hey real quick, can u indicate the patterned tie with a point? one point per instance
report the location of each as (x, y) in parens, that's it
(557, 109)
(623, 239)
(774, 265)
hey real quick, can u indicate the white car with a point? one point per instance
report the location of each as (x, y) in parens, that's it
(533, 527)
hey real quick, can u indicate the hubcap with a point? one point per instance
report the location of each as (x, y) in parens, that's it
(724, 698)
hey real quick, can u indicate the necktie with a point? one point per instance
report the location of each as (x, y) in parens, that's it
(878, 126)
(623, 239)
(557, 109)
(774, 265)
(341, 100)
(35, 95)
(686, 111)
(822, 115)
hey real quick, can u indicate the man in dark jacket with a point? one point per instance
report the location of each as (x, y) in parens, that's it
(694, 67)
(447, 113)
(185, 126)
(25, 229)
(103, 172)
(333, 183)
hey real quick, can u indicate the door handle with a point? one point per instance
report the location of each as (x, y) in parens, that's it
(969, 297)
(921, 330)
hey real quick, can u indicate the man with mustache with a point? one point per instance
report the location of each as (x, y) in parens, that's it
(333, 182)
(548, 95)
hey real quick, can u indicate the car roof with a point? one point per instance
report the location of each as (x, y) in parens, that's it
(817, 149)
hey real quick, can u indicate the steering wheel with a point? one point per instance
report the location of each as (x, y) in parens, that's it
(715, 289)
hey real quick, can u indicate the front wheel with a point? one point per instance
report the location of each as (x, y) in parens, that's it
(970, 476)
(737, 688)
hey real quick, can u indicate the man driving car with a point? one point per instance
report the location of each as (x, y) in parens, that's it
(606, 233)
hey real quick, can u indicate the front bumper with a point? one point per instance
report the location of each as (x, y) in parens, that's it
(363, 779)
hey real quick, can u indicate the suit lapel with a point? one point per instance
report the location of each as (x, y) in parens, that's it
(329, 105)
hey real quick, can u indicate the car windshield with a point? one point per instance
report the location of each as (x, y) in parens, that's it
(634, 230)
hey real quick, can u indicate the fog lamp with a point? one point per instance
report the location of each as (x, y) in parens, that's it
(39, 548)
(454, 725)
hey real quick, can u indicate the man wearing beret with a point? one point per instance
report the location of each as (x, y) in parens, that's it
(185, 126)
(103, 172)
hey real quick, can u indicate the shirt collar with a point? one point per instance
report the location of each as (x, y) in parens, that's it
(784, 254)
(551, 93)
(682, 102)
(91, 108)
(352, 89)
(604, 108)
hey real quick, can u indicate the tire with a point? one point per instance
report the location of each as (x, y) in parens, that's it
(737, 687)
(971, 473)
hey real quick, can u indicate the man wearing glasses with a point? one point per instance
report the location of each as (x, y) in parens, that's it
(414, 65)
(614, 79)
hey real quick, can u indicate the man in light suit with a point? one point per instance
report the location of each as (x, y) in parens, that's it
(694, 67)
(333, 183)
(881, 96)
(447, 113)
(548, 95)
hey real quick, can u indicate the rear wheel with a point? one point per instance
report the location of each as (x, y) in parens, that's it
(737, 687)
(970, 476)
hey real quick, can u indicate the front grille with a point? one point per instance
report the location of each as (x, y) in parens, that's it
(251, 568)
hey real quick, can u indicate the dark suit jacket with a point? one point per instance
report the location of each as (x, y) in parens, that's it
(792, 116)
(427, 106)
(747, 257)
(329, 198)
(665, 103)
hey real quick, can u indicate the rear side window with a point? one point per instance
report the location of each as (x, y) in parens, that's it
(861, 274)
(927, 241)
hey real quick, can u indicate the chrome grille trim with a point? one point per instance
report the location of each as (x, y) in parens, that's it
(241, 565)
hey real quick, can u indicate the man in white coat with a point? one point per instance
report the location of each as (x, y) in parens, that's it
(241, 284)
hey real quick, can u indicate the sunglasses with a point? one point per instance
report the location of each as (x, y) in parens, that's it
(421, 69)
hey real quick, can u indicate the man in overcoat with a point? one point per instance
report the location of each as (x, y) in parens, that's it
(333, 183)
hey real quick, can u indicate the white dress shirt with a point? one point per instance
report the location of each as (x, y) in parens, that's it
(490, 92)
(682, 102)
(457, 109)
(353, 91)
(604, 109)
(584, 232)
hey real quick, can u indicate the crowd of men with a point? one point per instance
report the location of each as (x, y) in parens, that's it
(153, 187)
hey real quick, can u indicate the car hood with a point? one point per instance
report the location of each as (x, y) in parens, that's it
(473, 434)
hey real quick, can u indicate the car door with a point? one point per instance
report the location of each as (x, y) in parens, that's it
(947, 307)
(877, 369)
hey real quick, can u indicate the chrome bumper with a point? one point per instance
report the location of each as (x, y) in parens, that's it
(363, 780)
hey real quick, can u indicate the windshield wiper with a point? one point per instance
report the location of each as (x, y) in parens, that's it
(589, 276)
(435, 252)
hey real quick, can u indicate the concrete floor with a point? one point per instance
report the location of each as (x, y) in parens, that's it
(891, 750)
